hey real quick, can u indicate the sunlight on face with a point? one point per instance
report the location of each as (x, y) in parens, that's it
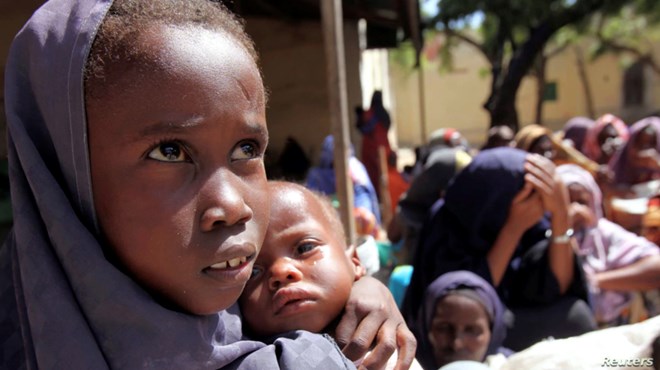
(177, 167)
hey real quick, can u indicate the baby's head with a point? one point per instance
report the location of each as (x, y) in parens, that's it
(304, 274)
(176, 120)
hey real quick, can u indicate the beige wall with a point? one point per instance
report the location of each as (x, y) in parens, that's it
(455, 99)
(294, 67)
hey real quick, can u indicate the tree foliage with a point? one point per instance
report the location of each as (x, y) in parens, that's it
(513, 34)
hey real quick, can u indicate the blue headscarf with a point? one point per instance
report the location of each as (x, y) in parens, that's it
(322, 178)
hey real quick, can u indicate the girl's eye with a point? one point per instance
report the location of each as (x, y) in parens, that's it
(305, 248)
(170, 151)
(245, 150)
(256, 271)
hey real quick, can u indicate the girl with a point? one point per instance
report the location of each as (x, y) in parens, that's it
(136, 144)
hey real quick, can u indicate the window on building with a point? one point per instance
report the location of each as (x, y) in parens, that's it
(550, 91)
(633, 85)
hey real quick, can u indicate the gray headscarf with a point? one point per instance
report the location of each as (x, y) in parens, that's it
(63, 305)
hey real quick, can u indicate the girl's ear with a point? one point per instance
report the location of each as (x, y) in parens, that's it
(351, 253)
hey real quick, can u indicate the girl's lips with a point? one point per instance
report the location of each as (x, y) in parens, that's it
(234, 262)
(234, 265)
(233, 256)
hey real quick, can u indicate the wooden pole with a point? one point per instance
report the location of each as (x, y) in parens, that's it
(333, 35)
(422, 104)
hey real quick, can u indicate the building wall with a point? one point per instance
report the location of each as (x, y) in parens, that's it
(293, 62)
(456, 98)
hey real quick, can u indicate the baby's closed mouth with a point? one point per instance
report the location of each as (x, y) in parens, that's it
(287, 297)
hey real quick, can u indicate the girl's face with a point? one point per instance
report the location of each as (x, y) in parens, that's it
(580, 208)
(460, 330)
(177, 167)
(303, 276)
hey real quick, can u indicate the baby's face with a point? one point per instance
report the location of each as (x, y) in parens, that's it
(303, 276)
(177, 167)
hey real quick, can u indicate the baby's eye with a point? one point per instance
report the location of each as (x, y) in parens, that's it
(245, 150)
(256, 271)
(169, 151)
(305, 248)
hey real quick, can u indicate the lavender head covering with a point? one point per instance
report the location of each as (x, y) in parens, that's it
(63, 305)
(576, 128)
(605, 246)
(444, 285)
(574, 174)
(624, 171)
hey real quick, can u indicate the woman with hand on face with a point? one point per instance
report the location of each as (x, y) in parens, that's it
(505, 217)
(616, 261)
(605, 138)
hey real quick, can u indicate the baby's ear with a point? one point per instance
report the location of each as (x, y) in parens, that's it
(351, 253)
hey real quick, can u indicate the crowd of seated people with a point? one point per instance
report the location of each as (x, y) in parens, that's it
(522, 233)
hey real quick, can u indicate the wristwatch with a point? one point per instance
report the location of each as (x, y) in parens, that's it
(560, 239)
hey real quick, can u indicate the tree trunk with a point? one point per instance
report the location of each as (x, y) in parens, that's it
(539, 71)
(502, 103)
(586, 88)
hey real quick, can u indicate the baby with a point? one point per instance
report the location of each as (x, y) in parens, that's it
(303, 276)
(304, 273)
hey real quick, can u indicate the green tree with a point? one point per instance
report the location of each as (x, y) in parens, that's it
(513, 35)
(629, 32)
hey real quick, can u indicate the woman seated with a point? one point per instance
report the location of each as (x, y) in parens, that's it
(605, 138)
(575, 131)
(639, 159)
(462, 319)
(616, 261)
(494, 222)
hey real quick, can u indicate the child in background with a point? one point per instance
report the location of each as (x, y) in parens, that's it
(302, 278)
(136, 140)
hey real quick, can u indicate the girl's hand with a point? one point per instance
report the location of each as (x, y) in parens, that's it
(371, 319)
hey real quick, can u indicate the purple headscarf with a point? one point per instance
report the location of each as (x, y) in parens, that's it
(624, 171)
(576, 129)
(63, 305)
(606, 245)
(444, 285)
(591, 148)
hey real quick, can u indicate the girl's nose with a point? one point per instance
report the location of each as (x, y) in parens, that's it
(282, 272)
(223, 201)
